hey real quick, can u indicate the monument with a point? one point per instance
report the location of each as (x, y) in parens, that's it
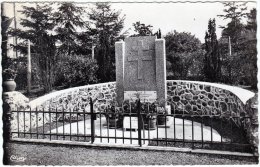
(141, 69)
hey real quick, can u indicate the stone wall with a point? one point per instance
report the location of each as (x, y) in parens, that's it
(73, 99)
(189, 97)
(203, 98)
(78, 98)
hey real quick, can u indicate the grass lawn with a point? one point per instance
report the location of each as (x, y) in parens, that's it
(40, 154)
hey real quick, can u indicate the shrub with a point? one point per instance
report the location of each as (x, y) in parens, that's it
(19, 65)
(9, 74)
(76, 71)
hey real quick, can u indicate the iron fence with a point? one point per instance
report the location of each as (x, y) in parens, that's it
(215, 132)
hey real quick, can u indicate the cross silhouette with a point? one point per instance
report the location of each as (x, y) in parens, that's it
(140, 49)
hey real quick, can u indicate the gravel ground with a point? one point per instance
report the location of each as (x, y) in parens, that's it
(40, 154)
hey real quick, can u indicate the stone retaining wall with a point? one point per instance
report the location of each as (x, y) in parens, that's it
(184, 96)
(73, 99)
(190, 96)
(78, 98)
(202, 99)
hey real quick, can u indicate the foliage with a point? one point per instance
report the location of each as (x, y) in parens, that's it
(248, 52)
(212, 57)
(142, 29)
(5, 23)
(105, 26)
(145, 30)
(68, 18)
(76, 71)
(113, 111)
(148, 109)
(39, 22)
(240, 67)
(251, 22)
(9, 74)
(184, 55)
(20, 66)
(235, 12)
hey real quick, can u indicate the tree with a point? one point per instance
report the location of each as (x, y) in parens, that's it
(184, 55)
(68, 19)
(212, 67)
(251, 23)
(239, 67)
(105, 27)
(39, 22)
(145, 30)
(249, 50)
(5, 23)
(142, 29)
(235, 12)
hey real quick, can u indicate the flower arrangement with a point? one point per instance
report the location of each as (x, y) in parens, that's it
(9, 74)
(149, 111)
(113, 111)
(114, 115)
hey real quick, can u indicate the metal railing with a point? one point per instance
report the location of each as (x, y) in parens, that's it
(180, 130)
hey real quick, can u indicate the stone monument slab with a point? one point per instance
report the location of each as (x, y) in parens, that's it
(141, 67)
(139, 64)
(145, 96)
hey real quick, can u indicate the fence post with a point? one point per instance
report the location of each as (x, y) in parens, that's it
(139, 122)
(92, 118)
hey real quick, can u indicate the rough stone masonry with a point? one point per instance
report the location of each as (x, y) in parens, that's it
(141, 68)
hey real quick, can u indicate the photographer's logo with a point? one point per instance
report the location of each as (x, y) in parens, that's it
(17, 158)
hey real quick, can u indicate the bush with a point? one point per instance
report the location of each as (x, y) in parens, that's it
(20, 66)
(76, 71)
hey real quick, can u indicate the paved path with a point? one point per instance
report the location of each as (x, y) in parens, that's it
(102, 130)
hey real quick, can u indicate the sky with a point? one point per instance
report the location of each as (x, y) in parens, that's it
(188, 17)
(182, 17)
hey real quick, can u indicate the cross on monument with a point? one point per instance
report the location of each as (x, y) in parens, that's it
(140, 49)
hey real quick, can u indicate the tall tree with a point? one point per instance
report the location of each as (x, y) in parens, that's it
(234, 12)
(212, 67)
(251, 23)
(39, 22)
(249, 50)
(239, 67)
(5, 23)
(183, 54)
(68, 19)
(105, 27)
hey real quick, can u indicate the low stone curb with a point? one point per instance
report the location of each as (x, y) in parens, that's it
(134, 147)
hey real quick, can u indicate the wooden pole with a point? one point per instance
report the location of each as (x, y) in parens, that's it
(29, 68)
(15, 27)
(229, 66)
(229, 45)
(93, 52)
